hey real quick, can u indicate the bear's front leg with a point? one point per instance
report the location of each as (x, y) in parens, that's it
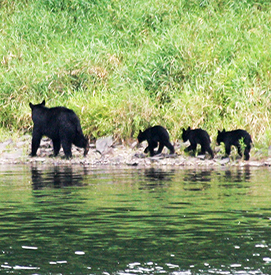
(152, 145)
(192, 148)
(147, 149)
(56, 145)
(67, 148)
(228, 149)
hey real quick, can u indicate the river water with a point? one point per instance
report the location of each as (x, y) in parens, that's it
(78, 220)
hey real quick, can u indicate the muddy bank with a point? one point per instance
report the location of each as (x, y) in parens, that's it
(108, 152)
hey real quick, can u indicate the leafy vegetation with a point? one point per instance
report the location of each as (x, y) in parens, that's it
(125, 65)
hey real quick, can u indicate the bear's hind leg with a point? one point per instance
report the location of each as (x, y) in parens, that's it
(160, 148)
(203, 150)
(246, 152)
(36, 138)
(210, 151)
(170, 147)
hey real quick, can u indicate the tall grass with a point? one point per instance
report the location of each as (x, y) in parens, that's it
(125, 65)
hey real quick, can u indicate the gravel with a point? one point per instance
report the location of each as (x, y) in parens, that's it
(106, 151)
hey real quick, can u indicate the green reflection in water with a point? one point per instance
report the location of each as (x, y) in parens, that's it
(76, 220)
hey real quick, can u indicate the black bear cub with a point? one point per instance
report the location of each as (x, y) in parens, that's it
(61, 125)
(197, 136)
(153, 135)
(234, 137)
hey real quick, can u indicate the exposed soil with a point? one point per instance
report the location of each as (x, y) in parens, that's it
(107, 152)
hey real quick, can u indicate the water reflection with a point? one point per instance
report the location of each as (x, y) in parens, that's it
(155, 178)
(197, 180)
(135, 221)
(193, 176)
(238, 175)
(56, 177)
(156, 174)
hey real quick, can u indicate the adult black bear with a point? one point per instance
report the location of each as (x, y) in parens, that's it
(234, 137)
(197, 136)
(61, 125)
(153, 135)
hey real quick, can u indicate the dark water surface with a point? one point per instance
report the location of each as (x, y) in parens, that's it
(76, 220)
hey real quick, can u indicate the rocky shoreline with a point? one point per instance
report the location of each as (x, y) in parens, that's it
(107, 152)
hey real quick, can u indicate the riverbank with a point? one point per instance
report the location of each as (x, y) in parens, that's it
(107, 152)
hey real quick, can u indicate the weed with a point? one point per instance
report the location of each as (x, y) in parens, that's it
(126, 65)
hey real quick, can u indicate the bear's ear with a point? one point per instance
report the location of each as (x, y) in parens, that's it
(183, 130)
(140, 131)
(218, 132)
(31, 105)
(188, 129)
(223, 131)
(43, 102)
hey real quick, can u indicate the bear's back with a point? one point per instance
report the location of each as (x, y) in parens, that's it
(62, 116)
(233, 137)
(239, 134)
(154, 133)
(159, 132)
(55, 116)
(199, 135)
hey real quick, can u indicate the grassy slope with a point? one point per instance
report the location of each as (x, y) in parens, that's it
(125, 65)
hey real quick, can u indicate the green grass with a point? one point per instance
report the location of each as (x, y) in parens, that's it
(126, 65)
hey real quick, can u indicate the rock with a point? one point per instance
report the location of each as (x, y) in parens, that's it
(202, 157)
(224, 161)
(21, 144)
(140, 155)
(254, 163)
(134, 144)
(37, 159)
(172, 156)
(4, 144)
(157, 157)
(103, 144)
(131, 163)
